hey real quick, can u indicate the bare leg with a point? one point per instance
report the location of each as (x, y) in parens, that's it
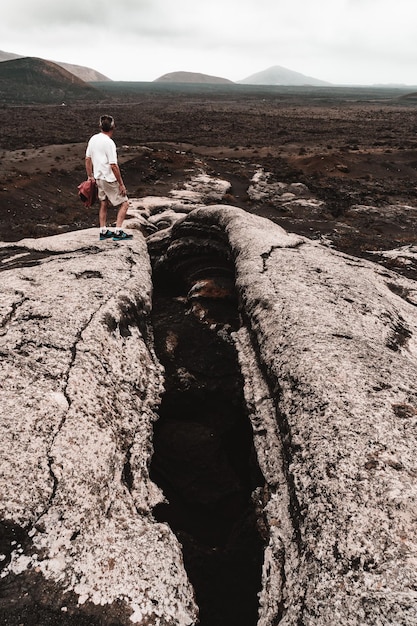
(121, 214)
(102, 214)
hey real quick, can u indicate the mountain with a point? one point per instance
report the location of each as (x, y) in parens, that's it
(192, 77)
(33, 80)
(86, 74)
(409, 96)
(8, 56)
(277, 75)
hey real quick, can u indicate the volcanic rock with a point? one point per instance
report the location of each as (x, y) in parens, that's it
(328, 355)
(80, 384)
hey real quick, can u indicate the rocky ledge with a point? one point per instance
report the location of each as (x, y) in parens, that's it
(327, 350)
(80, 385)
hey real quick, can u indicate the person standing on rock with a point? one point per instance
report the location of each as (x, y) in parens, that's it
(101, 166)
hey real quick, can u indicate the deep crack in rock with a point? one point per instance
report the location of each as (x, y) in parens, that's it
(204, 458)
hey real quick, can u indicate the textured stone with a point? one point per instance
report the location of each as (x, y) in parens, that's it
(328, 353)
(293, 198)
(336, 343)
(80, 384)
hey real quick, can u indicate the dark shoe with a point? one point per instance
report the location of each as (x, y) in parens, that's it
(106, 235)
(121, 236)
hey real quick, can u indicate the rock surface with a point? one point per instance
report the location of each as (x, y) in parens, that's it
(334, 410)
(80, 384)
(328, 352)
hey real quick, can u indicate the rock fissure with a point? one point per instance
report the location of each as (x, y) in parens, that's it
(21, 257)
(282, 434)
(307, 413)
(290, 246)
(204, 458)
(49, 455)
(127, 474)
(400, 335)
(13, 308)
(274, 515)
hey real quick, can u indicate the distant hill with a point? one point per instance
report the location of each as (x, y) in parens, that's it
(192, 77)
(278, 75)
(409, 96)
(32, 80)
(86, 74)
(8, 56)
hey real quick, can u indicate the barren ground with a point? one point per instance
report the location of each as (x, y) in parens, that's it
(349, 147)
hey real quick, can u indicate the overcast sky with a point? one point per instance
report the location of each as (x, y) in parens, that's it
(340, 41)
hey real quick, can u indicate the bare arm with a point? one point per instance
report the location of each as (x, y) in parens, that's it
(89, 167)
(116, 171)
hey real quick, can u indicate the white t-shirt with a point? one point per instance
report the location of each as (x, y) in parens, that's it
(102, 151)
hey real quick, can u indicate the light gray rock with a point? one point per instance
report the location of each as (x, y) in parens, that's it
(405, 256)
(80, 384)
(294, 198)
(328, 353)
(199, 190)
(335, 338)
(403, 212)
(202, 189)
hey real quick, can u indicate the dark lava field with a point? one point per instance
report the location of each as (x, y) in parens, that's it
(350, 146)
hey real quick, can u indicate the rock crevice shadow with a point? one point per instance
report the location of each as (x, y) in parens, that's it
(204, 458)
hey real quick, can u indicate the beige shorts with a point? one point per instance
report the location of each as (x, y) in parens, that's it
(111, 192)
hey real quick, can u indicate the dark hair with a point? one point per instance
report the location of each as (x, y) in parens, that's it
(106, 123)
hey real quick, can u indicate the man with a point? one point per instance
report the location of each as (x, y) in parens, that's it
(101, 166)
